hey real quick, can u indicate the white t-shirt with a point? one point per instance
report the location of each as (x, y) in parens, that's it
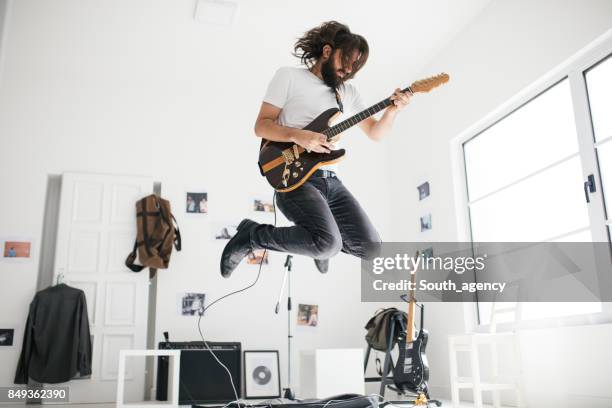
(302, 96)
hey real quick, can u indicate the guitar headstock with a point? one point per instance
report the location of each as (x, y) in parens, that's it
(427, 84)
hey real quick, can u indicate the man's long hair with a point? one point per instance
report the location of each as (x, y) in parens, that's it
(309, 47)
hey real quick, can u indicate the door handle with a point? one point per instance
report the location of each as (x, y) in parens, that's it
(589, 187)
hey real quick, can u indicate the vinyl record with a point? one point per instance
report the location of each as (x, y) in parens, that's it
(262, 375)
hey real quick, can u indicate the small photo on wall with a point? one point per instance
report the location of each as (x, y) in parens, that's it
(256, 257)
(223, 231)
(427, 253)
(6, 337)
(192, 304)
(196, 203)
(261, 204)
(423, 190)
(308, 315)
(426, 222)
(17, 249)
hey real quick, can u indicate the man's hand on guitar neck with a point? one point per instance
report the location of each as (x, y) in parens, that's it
(377, 129)
(311, 141)
(400, 100)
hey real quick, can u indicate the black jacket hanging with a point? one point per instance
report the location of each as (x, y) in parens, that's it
(56, 341)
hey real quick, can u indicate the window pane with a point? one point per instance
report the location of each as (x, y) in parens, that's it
(604, 157)
(544, 310)
(536, 310)
(536, 135)
(582, 236)
(599, 85)
(548, 204)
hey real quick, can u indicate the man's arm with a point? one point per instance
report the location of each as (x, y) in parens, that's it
(266, 126)
(377, 129)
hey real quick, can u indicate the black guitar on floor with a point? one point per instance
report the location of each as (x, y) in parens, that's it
(287, 165)
(411, 372)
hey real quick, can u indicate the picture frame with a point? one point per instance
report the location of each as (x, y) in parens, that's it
(261, 374)
(7, 337)
(17, 249)
(423, 190)
(426, 222)
(258, 256)
(191, 304)
(262, 204)
(196, 202)
(223, 231)
(308, 315)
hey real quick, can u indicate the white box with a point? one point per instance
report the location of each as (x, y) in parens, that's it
(328, 372)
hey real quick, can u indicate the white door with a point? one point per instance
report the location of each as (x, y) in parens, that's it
(96, 231)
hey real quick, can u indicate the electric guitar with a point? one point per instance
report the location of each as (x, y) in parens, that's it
(287, 165)
(411, 372)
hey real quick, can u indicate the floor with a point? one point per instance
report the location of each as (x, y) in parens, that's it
(445, 403)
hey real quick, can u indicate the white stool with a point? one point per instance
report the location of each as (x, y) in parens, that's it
(174, 370)
(470, 343)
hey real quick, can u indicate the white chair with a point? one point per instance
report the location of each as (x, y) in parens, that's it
(470, 343)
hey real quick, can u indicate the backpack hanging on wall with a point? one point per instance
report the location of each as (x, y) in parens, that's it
(157, 233)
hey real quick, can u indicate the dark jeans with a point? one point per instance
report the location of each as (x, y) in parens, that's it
(327, 218)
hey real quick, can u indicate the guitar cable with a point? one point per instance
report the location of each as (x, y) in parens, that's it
(239, 401)
(204, 309)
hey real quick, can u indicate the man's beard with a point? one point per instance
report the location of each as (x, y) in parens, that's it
(328, 72)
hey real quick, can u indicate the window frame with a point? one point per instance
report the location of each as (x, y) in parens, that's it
(574, 70)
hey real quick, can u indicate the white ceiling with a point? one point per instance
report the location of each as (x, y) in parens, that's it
(408, 32)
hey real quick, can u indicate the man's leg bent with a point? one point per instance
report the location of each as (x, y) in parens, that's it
(359, 235)
(315, 232)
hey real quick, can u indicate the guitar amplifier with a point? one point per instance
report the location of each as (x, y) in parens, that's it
(202, 380)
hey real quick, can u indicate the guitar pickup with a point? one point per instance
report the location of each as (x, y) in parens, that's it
(288, 155)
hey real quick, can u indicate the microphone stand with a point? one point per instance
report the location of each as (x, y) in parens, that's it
(289, 394)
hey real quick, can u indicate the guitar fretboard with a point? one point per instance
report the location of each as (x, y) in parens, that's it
(355, 119)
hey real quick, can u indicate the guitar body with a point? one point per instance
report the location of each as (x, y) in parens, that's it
(411, 372)
(287, 166)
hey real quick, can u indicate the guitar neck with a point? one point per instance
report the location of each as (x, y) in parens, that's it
(361, 116)
(411, 303)
(410, 328)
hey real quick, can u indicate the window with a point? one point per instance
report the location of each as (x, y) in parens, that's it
(524, 173)
(599, 84)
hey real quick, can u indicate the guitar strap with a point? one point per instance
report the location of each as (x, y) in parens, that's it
(339, 100)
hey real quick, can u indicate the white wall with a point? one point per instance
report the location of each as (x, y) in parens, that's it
(138, 87)
(61, 109)
(506, 48)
